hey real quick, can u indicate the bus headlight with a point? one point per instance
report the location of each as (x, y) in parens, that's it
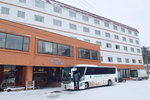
(81, 84)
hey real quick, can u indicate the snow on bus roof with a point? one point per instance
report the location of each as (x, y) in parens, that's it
(90, 65)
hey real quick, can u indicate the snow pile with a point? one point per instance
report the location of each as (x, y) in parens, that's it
(131, 90)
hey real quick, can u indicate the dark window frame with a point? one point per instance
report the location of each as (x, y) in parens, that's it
(56, 53)
(23, 37)
(90, 54)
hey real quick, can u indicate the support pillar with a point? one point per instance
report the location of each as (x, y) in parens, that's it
(28, 74)
(1, 73)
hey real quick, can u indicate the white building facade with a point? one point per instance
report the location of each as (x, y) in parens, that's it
(119, 43)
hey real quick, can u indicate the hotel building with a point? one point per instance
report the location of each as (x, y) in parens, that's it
(119, 44)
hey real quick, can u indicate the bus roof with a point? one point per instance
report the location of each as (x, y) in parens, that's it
(88, 65)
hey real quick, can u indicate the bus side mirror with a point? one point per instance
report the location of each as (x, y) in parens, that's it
(74, 69)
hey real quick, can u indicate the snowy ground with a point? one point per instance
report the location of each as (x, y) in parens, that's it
(131, 90)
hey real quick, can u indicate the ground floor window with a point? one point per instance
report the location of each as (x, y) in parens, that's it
(44, 76)
(10, 75)
(124, 73)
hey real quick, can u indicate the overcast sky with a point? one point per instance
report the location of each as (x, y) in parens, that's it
(134, 13)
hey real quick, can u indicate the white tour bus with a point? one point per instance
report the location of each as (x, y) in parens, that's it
(84, 76)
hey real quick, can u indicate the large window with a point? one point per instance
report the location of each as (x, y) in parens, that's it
(87, 54)
(92, 71)
(64, 50)
(2, 40)
(54, 48)
(9, 41)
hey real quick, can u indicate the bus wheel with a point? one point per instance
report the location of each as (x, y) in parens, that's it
(86, 85)
(109, 82)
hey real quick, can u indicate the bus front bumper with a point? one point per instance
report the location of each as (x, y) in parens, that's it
(68, 86)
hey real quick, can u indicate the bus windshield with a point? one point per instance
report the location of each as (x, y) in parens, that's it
(66, 74)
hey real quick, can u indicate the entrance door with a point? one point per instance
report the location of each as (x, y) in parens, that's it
(76, 78)
(12, 76)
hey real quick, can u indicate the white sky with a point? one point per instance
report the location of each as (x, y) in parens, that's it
(134, 13)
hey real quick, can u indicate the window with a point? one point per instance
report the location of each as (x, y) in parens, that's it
(126, 60)
(73, 26)
(99, 43)
(57, 22)
(97, 32)
(101, 58)
(101, 70)
(115, 27)
(135, 33)
(122, 29)
(15, 42)
(132, 49)
(119, 60)
(108, 45)
(116, 37)
(125, 48)
(129, 31)
(64, 50)
(2, 40)
(23, 1)
(85, 29)
(45, 47)
(84, 53)
(140, 61)
(106, 24)
(96, 21)
(131, 40)
(57, 9)
(87, 40)
(26, 44)
(38, 18)
(124, 39)
(107, 35)
(21, 14)
(5, 10)
(133, 61)
(72, 14)
(85, 18)
(136, 41)
(54, 48)
(87, 54)
(94, 55)
(39, 4)
(117, 46)
(110, 59)
(138, 50)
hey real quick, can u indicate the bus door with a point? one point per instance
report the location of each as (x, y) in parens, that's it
(76, 79)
